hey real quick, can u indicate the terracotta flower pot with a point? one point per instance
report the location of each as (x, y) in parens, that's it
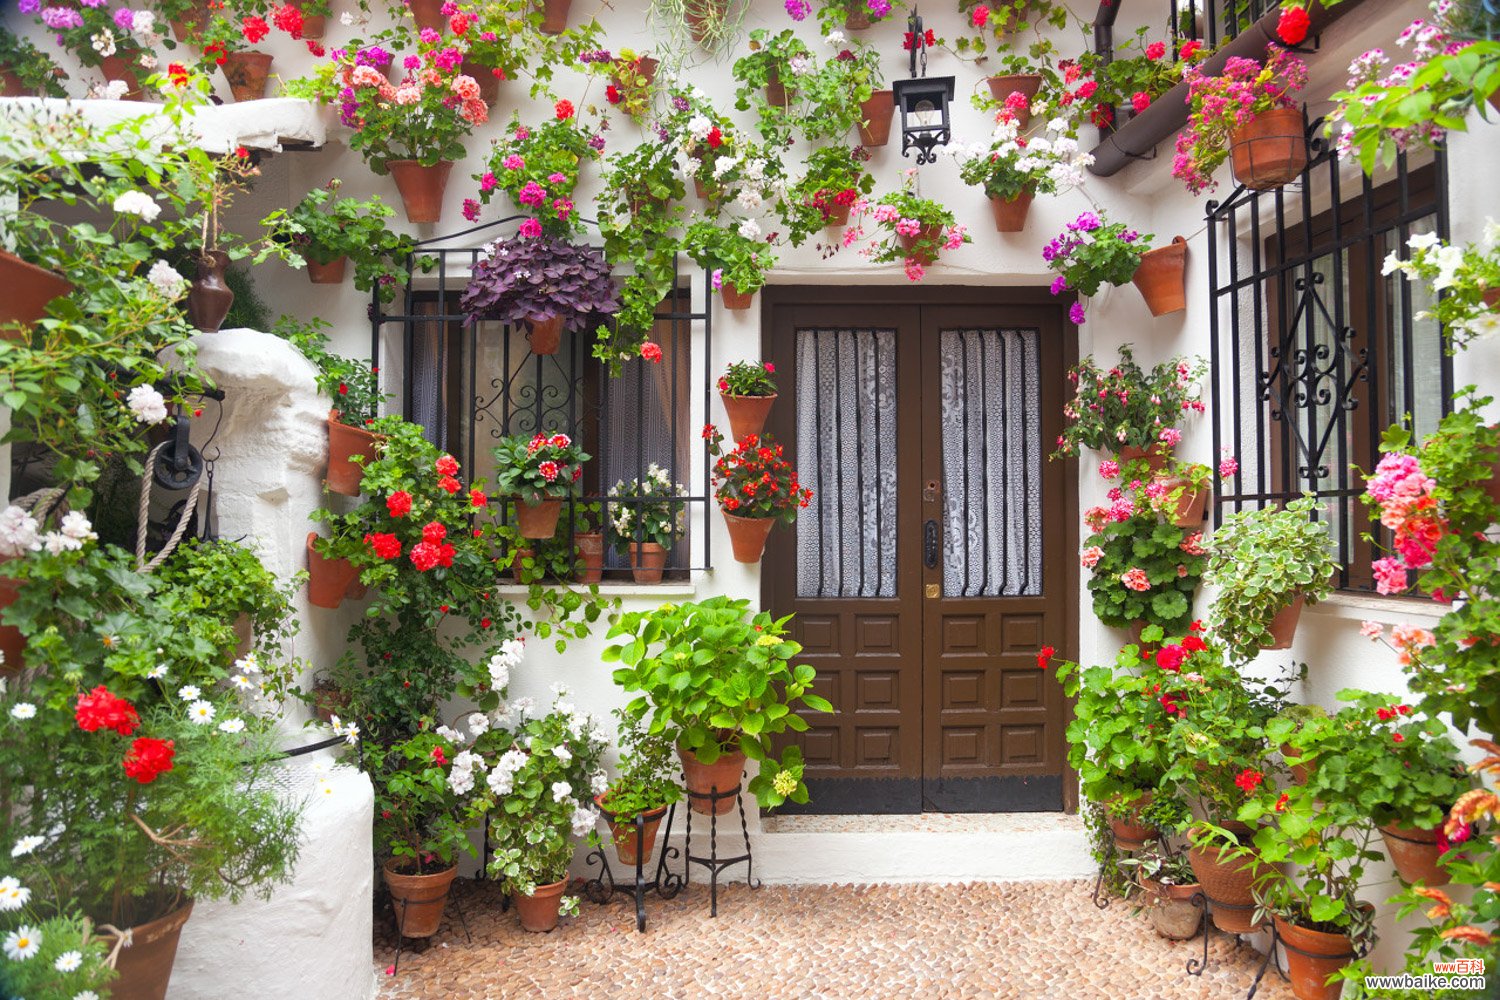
(628, 847)
(145, 968)
(644, 67)
(1172, 912)
(735, 299)
(247, 73)
(419, 900)
(928, 233)
(1002, 87)
(647, 560)
(1187, 512)
(747, 414)
(1155, 457)
(1227, 883)
(554, 16)
(702, 15)
(1300, 772)
(327, 579)
(12, 85)
(1311, 957)
(329, 701)
(314, 26)
(1270, 150)
(723, 775)
(331, 273)
(538, 520)
(701, 190)
(189, 29)
(117, 68)
(12, 642)
(1010, 213)
(1415, 854)
(747, 536)
(875, 117)
(517, 567)
(546, 334)
(489, 83)
(428, 14)
(857, 20)
(1130, 832)
(25, 291)
(777, 94)
(835, 214)
(590, 546)
(1161, 277)
(344, 442)
(538, 911)
(1284, 625)
(421, 187)
(209, 298)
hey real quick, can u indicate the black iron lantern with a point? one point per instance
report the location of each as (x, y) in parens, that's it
(921, 99)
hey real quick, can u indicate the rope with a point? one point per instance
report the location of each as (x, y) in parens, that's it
(123, 939)
(42, 501)
(141, 565)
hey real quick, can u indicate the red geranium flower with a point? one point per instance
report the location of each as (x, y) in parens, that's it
(398, 503)
(1156, 50)
(447, 466)
(449, 484)
(178, 74)
(439, 756)
(434, 533)
(148, 758)
(1190, 49)
(612, 94)
(384, 544)
(715, 138)
(1044, 656)
(477, 498)
(1193, 644)
(1292, 28)
(651, 352)
(99, 709)
(424, 556)
(1249, 779)
(254, 28)
(1170, 657)
(564, 109)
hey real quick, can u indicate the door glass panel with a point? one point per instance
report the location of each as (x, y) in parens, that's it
(992, 455)
(846, 453)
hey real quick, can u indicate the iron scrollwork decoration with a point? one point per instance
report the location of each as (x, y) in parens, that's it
(921, 96)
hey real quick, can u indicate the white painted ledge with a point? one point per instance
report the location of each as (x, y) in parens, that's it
(266, 124)
(1386, 610)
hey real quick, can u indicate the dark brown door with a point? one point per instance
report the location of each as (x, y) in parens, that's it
(935, 561)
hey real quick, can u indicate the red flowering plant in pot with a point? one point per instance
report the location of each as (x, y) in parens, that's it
(1125, 411)
(226, 39)
(1249, 114)
(1139, 71)
(756, 487)
(539, 473)
(834, 179)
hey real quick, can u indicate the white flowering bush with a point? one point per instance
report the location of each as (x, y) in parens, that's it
(1011, 164)
(648, 511)
(1467, 276)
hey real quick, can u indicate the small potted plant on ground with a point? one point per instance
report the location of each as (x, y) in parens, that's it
(543, 281)
(539, 472)
(1167, 885)
(1013, 170)
(1090, 252)
(354, 388)
(647, 520)
(1121, 410)
(747, 390)
(1267, 564)
(644, 788)
(736, 254)
(327, 232)
(542, 794)
(1248, 114)
(720, 682)
(910, 229)
(755, 487)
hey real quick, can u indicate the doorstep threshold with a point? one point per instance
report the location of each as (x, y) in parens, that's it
(1016, 822)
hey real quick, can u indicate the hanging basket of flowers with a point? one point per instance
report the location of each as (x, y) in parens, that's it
(1247, 114)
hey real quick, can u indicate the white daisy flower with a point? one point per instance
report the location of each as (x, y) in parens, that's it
(88, 994)
(13, 895)
(22, 943)
(248, 664)
(201, 712)
(23, 711)
(189, 692)
(26, 845)
(242, 682)
(157, 672)
(68, 961)
(232, 726)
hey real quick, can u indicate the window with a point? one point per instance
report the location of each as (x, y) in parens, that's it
(1314, 351)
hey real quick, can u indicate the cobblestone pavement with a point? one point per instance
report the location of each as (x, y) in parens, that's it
(986, 940)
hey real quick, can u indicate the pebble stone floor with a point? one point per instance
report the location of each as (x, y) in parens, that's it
(978, 940)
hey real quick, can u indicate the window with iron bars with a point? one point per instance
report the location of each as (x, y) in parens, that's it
(1216, 21)
(470, 384)
(1314, 350)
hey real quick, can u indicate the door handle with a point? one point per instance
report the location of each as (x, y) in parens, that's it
(930, 543)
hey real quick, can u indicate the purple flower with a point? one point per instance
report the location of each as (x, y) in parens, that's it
(680, 103)
(1059, 285)
(93, 3)
(447, 59)
(30, 6)
(718, 278)
(374, 56)
(348, 114)
(878, 8)
(124, 18)
(61, 18)
(1086, 222)
(1130, 236)
(1075, 313)
(598, 55)
(798, 9)
(596, 142)
(471, 210)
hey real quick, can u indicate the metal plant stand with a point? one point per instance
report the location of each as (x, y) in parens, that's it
(713, 862)
(1196, 965)
(400, 919)
(667, 883)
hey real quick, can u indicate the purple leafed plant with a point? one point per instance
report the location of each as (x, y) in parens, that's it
(540, 277)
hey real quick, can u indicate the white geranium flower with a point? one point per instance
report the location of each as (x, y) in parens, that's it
(583, 821)
(68, 961)
(599, 783)
(698, 127)
(147, 62)
(13, 895)
(18, 532)
(23, 711)
(460, 782)
(168, 283)
(147, 404)
(479, 724)
(750, 229)
(189, 692)
(561, 790)
(144, 22)
(114, 90)
(800, 65)
(346, 19)
(201, 712)
(22, 943)
(562, 753)
(137, 203)
(77, 527)
(449, 733)
(26, 845)
(232, 726)
(103, 43)
(835, 39)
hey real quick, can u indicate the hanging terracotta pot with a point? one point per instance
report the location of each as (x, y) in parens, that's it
(1270, 150)
(1300, 772)
(1171, 909)
(117, 68)
(701, 190)
(489, 83)
(925, 236)
(12, 642)
(875, 116)
(12, 85)
(1284, 625)
(857, 20)
(1311, 957)
(331, 273)
(747, 536)
(647, 561)
(622, 832)
(723, 775)
(703, 15)
(1156, 457)
(644, 67)
(25, 291)
(554, 16)
(518, 569)
(747, 414)
(344, 442)
(1002, 87)
(419, 900)
(247, 73)
(328, 579)
(1494, 99)
(538, 911)
(538, 520)
(590, 546)
(428, 14)
(314, 26)
(209, 298)
(1415, 854)
(1131, 833)
(1010, 213)
(1161, 277)
(189, 30)
(145, 968)
(546, 334)
(734, 298)
(421, 187)
(1187, 510)
(1136, 628)
(777, 94)
(1227, 882)
(835, 214)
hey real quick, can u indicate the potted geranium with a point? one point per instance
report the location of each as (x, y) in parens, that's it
(1012, 169)
(834, 179)
(97, 39)
(737, 255)
(912, 229)
(721, 684)
(496, 44)
(638, 796)
(542, 792)
(538, 167)
(354, 388)
(1125, 411)
(647, 520)
(845, 92)
(632, 82)
(1246, 113)
(747, 390)
(724, 163)
(545, 282)
(327, 232)
(1138, 72)
(539, 473)
(852, 15)
(224, 39)
(775, 67)
(1267, 564)
(1093, 251)
(755, 487)
(27, 71)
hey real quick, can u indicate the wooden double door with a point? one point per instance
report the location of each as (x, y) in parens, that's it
(938, 556)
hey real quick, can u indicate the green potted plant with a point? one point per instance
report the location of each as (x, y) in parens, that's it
(1300, 731)
(736, 254)
(543, 281)
(27, 71)
(1012, 169)
(96, 40)
(537, 167)
(1092, 251)
(644, 787)
(647, 519)
(996, 27)
(834, 179)
(1247, 114)
(747, 390)
(755, 486)
(771, 80)
(1165, 881)
(574, 552)
(327, 232)
(354, 388)
(539, 473)
(910, 229)
(1124, 411)
(851, 15)
(499, 41)
(542, 793)
(632, 83)
(1267, 564)
(225, 39)
(720, 682)
(1138, 72)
